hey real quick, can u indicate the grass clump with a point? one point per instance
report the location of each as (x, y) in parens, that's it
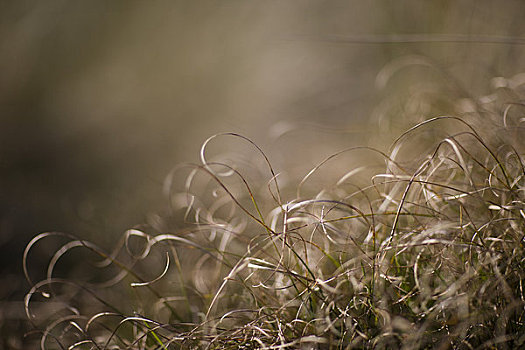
(426, 253)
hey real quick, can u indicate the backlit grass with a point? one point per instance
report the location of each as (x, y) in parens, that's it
(420, 247)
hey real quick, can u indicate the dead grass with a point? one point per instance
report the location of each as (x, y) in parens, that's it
(426, 253)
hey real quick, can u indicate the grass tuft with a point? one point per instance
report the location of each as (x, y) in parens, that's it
(425, 253)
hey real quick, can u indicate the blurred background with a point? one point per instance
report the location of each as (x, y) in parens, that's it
(99, 100)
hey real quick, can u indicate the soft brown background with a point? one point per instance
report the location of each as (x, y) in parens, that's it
(99, 100)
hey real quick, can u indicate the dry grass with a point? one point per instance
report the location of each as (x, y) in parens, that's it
(426, 253)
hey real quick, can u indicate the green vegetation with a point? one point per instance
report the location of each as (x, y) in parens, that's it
(420, 246)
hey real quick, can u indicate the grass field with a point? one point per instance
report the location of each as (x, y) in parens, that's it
(414, 245)
(363, 187)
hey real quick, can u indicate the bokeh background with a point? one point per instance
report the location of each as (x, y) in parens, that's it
(99, 100)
